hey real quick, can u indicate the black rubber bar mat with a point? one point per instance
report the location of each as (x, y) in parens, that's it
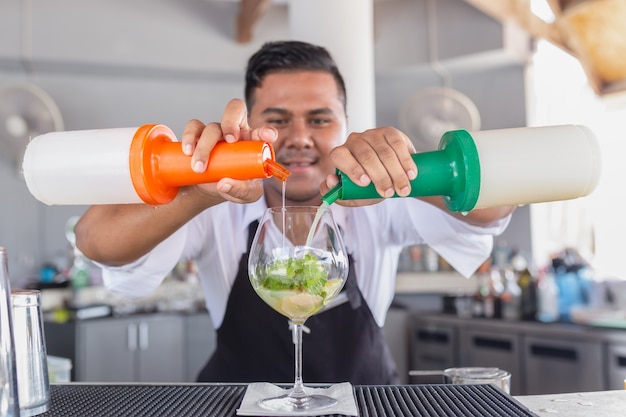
(216, 400)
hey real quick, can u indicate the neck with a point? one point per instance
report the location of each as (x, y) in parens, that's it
(273, 199)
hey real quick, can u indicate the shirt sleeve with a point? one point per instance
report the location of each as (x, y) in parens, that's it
(140, 278)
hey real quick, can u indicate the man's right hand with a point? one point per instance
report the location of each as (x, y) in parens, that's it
(199, 139)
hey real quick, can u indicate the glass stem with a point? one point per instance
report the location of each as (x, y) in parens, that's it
(298, 386)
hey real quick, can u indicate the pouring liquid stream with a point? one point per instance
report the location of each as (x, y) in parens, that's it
(325, 204)
(316, 220)
(283, 210)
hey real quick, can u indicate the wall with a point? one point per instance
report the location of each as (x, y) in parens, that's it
(115, 63)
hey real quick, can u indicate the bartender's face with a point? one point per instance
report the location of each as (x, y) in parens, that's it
(306, 109)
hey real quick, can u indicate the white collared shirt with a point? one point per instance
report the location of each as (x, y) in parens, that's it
(374, 236)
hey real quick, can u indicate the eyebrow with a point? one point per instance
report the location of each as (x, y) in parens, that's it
(314, 112)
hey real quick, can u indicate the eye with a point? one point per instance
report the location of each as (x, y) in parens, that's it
(277, 122)
(319, 121)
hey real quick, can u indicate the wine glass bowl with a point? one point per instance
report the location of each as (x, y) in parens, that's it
(295, 277)
(297, 265)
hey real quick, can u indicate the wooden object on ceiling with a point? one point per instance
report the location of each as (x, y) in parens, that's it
(596, 33)
(593, 31)
(250, 11)
(520, 13)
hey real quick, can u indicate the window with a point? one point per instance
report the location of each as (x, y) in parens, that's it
(559, 93)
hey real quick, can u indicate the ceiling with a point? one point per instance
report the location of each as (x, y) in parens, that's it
(593, 31)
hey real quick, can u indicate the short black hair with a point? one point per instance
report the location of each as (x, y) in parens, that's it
(288, 56)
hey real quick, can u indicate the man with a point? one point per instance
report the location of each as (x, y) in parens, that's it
(296, 99)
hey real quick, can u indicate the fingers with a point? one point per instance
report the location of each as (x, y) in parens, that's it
(234, 122)
(191, 133)
(381, 156)
(227, 189)
(267, 134)
(331, 181)
(201, 142)
(235, 127)
(199, 139)
(328, 184)
(240, 191)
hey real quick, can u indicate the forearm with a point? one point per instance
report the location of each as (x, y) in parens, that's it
(119, 234)
(478, 217)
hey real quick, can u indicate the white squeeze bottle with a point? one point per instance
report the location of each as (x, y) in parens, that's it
(499, 167)
(143, 164)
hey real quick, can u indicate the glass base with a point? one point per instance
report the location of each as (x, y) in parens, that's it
(291, 403)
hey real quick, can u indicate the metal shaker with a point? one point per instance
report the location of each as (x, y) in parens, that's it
(9, 403)
(30, 353)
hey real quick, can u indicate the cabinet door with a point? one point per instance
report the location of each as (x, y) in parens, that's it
(559, 366)
(160, 349)
(396, 330)
(491, 349)
(61, 342)
(201, 341)
(433, 347)
(105, 350)
(616, 366)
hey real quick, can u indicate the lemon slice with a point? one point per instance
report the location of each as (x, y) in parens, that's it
(332, 288)
(301, 305)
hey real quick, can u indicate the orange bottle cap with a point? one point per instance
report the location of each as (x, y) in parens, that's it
(159, 167)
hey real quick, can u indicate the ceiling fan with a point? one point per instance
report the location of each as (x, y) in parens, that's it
(26, 111)
(427, 114)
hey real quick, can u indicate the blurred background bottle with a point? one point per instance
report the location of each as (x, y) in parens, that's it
(547, 296)
(493, 308)
(478, 303)
(571, 275)
(528, 285)
(511, 296)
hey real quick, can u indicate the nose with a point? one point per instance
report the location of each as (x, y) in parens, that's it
(298, 134)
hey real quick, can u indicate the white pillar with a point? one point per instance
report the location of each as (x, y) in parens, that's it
(346, 29)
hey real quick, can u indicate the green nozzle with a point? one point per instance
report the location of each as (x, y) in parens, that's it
(452, 172)
(333, 195)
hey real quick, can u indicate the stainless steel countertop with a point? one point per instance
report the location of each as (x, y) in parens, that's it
(579, 404)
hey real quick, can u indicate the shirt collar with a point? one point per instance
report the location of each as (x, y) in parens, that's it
(254, 211)
(340, 214)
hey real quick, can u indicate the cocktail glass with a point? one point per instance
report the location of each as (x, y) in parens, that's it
(297, 265)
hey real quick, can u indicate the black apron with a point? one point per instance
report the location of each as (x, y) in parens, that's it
(254, 343)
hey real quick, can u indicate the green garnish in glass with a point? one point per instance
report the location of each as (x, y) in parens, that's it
(305, 274)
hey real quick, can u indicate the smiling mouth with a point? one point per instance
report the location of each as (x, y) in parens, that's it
(292, 165)
(298, 164)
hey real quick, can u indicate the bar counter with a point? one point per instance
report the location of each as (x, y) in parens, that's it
(222, 400)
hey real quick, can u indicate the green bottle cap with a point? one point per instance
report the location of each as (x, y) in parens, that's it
(461, 149)
(452, 172)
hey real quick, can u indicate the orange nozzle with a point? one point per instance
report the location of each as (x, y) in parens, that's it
(274, 169)
(159, 167)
